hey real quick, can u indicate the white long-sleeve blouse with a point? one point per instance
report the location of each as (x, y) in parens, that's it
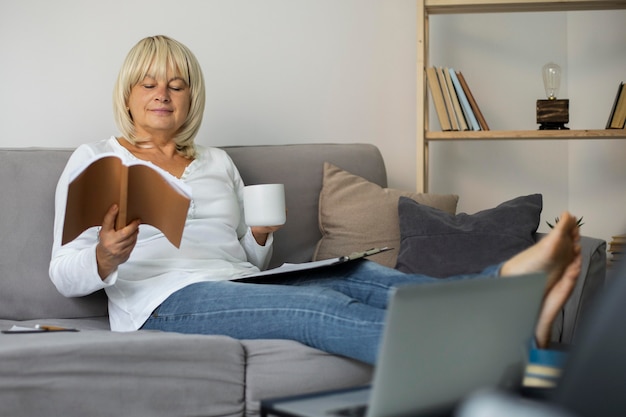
(216, 244)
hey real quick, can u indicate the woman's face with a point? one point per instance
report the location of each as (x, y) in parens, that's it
(159, 107)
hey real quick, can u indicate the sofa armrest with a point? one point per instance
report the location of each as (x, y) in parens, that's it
(592, 278)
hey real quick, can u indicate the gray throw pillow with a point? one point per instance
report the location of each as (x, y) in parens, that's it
(441, 244)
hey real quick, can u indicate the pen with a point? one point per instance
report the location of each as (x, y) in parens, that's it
(54, 328)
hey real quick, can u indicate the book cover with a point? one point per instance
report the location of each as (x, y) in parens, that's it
(618, 119)
(456, 104)
(140, 189)
(544, 368)
(472, 101)
(437, 95)
(614, 106)
(447, 99)
(467, 109)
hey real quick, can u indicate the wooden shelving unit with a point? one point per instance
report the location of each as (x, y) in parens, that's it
(526, 135)
(429, 7)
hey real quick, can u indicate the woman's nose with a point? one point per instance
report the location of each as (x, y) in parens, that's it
(162, 95)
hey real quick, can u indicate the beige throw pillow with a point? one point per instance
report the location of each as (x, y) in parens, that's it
(356, 215)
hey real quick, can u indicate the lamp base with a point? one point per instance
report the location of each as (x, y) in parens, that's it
(552, 126)
(552, 114)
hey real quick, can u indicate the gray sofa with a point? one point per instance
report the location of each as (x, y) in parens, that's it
(96, 372)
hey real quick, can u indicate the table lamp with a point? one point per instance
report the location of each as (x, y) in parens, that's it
(552, 113)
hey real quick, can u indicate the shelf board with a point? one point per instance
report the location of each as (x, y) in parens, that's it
(526, 135)
(502, 6)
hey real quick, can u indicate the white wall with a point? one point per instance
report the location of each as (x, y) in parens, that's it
(278, 71)
(289, 71)
(597, 169)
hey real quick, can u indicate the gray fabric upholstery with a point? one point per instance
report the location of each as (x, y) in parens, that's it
(591, 280)
(300, 168)
(136, 374)
(28, 182)
(98, 372)
(279, 368)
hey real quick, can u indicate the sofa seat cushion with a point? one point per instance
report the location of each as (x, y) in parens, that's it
(357, 215)
(439, 244)
(278, 368)
(150, 373)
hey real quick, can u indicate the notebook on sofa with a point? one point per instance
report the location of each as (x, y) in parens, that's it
(441, 342)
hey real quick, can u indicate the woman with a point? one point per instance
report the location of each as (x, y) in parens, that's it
(159, 102)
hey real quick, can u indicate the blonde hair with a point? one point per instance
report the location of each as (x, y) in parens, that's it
(158, 54)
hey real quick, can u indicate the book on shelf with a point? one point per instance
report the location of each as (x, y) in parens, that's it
(456, 103)
(437, 96)
(447, 98)
(617, 117)
(140, 189)
(472, 122)
(473, 104)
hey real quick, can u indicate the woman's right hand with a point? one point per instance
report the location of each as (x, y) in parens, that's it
(114, 246)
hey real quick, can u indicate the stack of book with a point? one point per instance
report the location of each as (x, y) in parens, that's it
(544, 368)
(454, 103)
(617, 117)
(616, 248)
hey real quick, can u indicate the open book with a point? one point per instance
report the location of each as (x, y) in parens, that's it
(140, 189)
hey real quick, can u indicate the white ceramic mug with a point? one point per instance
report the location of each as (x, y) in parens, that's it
(264, 204)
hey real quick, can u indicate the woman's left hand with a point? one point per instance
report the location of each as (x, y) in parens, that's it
(261, 233)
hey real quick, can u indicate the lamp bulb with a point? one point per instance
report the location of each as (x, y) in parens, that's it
(551, 80)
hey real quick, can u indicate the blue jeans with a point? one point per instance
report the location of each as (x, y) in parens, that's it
(340, 310)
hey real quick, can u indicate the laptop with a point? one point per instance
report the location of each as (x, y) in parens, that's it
(441, 342)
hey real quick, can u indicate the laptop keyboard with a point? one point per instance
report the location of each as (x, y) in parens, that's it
(352, 411)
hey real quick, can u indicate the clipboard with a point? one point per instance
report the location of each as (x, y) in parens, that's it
(305, 266)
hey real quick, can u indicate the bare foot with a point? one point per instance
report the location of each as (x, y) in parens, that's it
(554, 300)
(558, 255)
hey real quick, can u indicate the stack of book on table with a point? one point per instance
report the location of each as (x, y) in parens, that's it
(454, 102)
(544, 368)
(616, 248)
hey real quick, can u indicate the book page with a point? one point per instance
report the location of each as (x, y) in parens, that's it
(152, 199)
(288, 267)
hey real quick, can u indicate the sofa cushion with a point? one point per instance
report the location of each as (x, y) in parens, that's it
(104, 373)
(29, 179)
(278, 368)
(356, 215)
(440, 244)
(300, 168)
